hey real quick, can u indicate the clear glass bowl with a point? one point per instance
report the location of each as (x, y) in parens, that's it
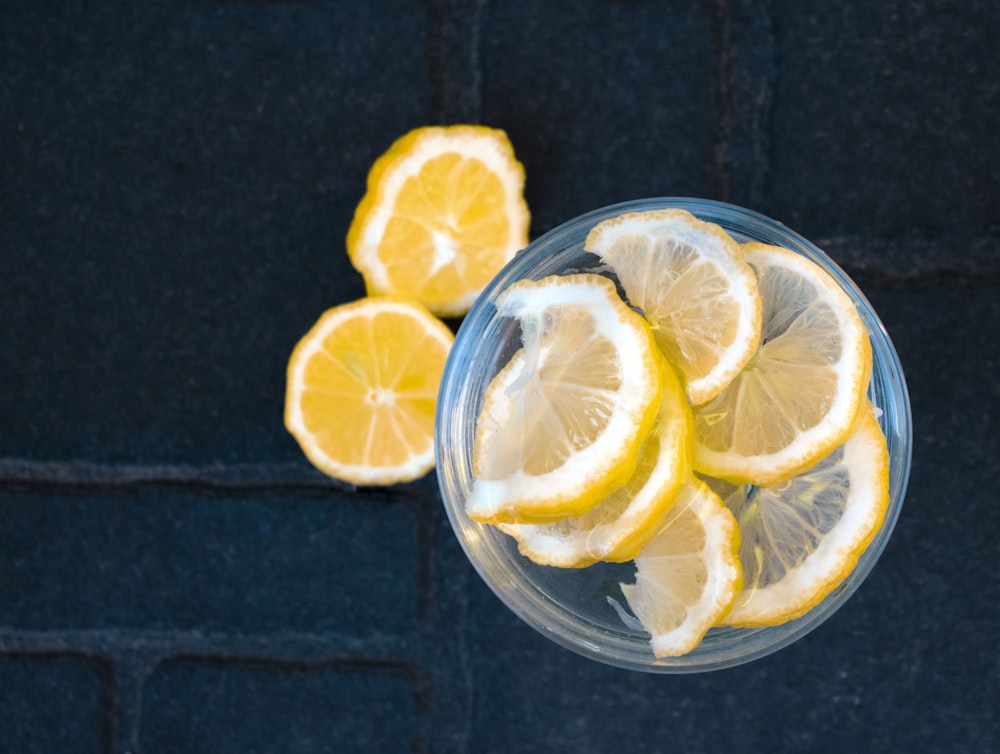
(571, 606)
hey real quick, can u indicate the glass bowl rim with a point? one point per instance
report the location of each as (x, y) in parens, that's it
(514, 587)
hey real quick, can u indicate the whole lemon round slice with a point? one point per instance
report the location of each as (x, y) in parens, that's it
(563, 422)
(690, 281)
(362, 389)
(444, 211)
(619, 526)
(688, 575)
(798, 396)
(803, 537)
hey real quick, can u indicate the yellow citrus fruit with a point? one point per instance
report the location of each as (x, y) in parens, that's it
(444, 211)
(688, 575)
(802, 538)
(690, 281)
(619, 525)
(362, 389)
(563, 422)
(797, 398)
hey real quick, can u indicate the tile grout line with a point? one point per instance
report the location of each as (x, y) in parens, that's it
(298, 646)
(745, 47)
(721, 93)
(130, 673)
(479, 10)
(972, 258)
(454, 61)
(224, 477)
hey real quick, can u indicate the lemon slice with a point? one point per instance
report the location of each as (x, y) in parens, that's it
(803, 537)
(444, 211)
(797, 398)
(690, 280)
(618, 526)
(563, 422)
(362, 389)
(689, 574)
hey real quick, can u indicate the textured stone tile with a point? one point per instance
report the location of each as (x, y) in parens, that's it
(160, 560)
(53, 705)
(218, 707)
(178, 179)
(603, 101)
(884, 118)
(857, 683)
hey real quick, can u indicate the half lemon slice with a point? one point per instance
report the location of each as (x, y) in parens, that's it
(690, 281)
(689, 574)
(618, 527)
(803, 537)
(797, 398)
(563, 422)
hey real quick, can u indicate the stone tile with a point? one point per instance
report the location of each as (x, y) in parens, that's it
(53, 705)
(215, 707)
(165, 560)
(884, 119)
(928, 592)
(178, 183)
(603, 101)
(857, 683)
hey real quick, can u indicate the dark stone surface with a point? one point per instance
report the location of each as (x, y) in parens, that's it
(210, 707)
(53, 703)
(172, 173)
(882, 118)
(602, 117)
(159, 559)
(176, 180)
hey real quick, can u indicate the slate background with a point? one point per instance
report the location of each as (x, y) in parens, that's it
(177, 180)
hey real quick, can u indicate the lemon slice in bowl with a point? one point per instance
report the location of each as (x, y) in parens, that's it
(619, 526)
(797, 398)
(688, 575)
(690, 281)
(444, 211)
(563, 422)
(803, 537)
(362, 389)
